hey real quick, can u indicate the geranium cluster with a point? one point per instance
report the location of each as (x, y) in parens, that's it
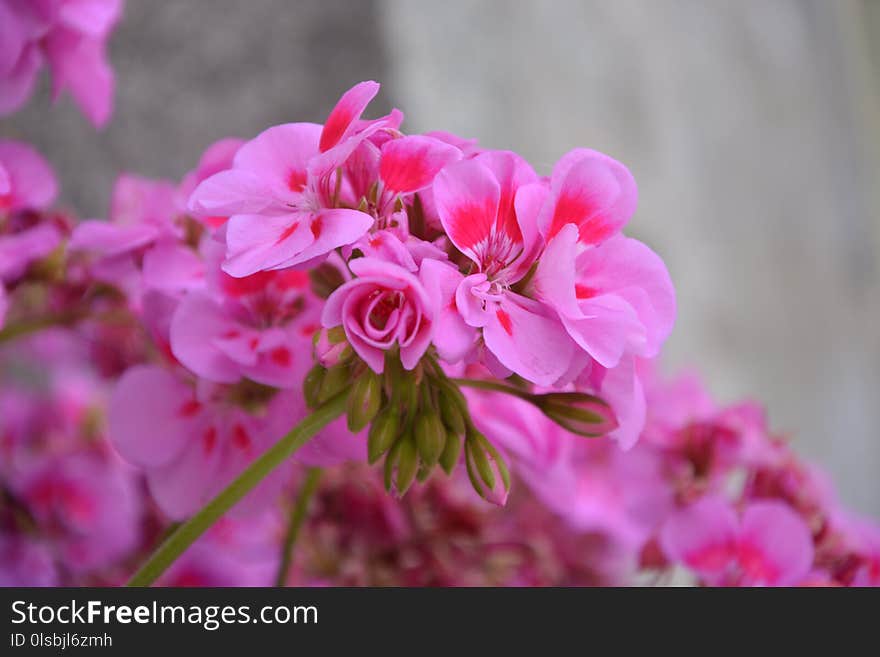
(348, 295)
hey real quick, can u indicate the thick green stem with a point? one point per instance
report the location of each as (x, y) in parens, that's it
(297, 517)
(188, 532)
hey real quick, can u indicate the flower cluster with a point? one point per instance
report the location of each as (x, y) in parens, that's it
(338, 295)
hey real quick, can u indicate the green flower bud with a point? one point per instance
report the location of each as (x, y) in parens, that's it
(451, 413)
(578, 412)
(451, 452)
(486, 469)
(430, 437)
(407, 464)
(383, 431)
(364, 400)
(312, 385)
(336, 379)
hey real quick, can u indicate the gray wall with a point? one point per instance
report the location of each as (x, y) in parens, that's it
(750, 126)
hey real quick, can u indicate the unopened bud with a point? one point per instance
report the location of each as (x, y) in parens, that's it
(451, 412)
(331, 347)
(578, 412)
(451, 452)
(486, 469)
(312, 385)
(383, 431)
(335, 381)
(430, 437)
(364, 400)
(401, 465)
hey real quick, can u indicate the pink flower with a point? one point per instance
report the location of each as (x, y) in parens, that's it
(384, 305)
(86, 503)
(769, 545)
(485, 205)
(612, 294)
(191, 441)
(277, 216)
(259, 327)
(70, 35)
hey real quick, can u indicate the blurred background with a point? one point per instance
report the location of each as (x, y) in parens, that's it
(753, 129)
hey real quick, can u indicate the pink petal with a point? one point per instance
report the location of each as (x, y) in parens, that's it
(279, 156)
(534, 346)
(512, 172)
(233, 191)
(150, 416)
(196, 323)
(93, 17)
(635, 273)
(256, 242)
(592, 191)
(18, 85)
(172, 268)
(467, 196)
(79, 65)
(410, 163)
(19, 250)
(333, 445)
(776, 548)
(453, 338)
(331, 229)
(341, 120)
(182, 486)
(703, 536)
(110, 239)
(32, 183)
(621, 388)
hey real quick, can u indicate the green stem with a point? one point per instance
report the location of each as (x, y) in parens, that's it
(297, 517)
(188, 532)
(494, 386)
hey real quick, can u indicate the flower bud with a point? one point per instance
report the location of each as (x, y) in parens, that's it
(312, 385)
(331, 348)
(578, 412)
(451, 412)
(430, 437)
(407, 464)
(404, 459)
(486, 469)
(451, 452)
(383, 431)
(335, 381)
(364, 400)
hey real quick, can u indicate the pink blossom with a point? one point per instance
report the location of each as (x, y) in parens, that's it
(217, 157)
(88, 505)
(485, 205)
(613, 299)
(279, 216)
(259, 327)
(69, 35)
(769, 545)
(384, 305)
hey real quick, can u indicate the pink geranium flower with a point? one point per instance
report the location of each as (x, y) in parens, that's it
(768, 545)
(487, 207)
(259, 327)
(71, 36)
